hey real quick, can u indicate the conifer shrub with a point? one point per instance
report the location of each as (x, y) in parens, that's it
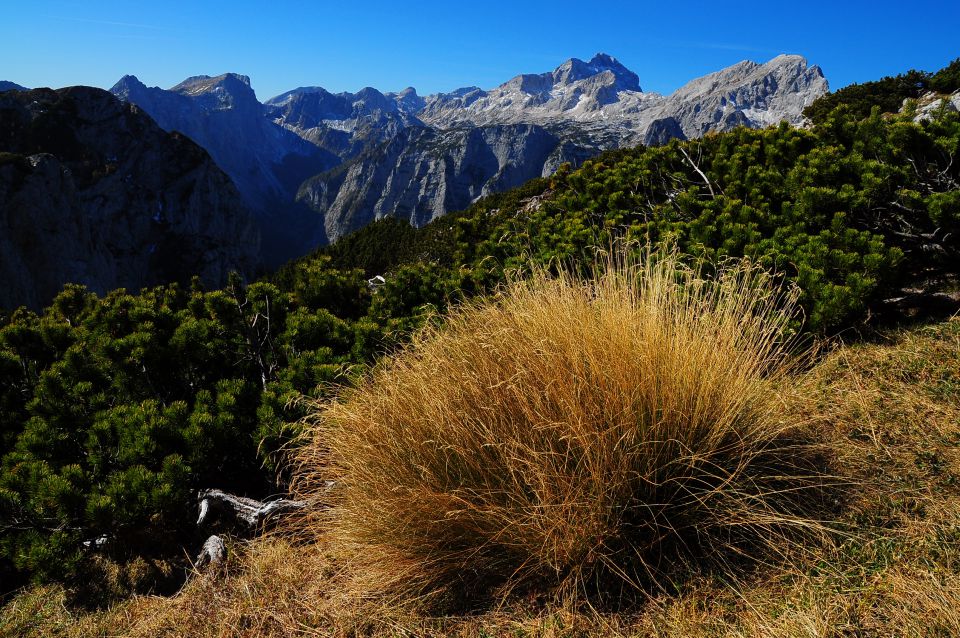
(567, 436)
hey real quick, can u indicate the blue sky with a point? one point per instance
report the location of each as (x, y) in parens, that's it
(439, 46)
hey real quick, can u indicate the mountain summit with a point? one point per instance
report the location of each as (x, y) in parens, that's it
(221, 92)
(574, 70)
(604, 98)
(568, 92)
(266, 162)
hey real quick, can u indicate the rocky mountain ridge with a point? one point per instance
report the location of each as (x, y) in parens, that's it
(341, 160)
(606, 99)
(423, 173)
(266, 162)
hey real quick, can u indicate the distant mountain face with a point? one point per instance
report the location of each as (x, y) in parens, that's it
(92, 191)
(266, 161)
(423, 173)
(604, 99)
(344, 124)
(10, 86)
(350, 158)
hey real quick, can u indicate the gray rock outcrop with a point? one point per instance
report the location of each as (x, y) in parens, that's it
(931, 103)
(423, 173)
(745, 94)
(92, 191)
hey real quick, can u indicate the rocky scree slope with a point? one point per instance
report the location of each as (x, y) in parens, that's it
(92, 191)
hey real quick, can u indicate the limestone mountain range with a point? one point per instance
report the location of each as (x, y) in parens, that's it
(92, 191)
(333, 162)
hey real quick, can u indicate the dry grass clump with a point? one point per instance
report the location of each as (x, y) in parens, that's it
(269, 588)
(573, 436)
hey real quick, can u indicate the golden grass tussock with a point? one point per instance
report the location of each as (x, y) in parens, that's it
(568, 436)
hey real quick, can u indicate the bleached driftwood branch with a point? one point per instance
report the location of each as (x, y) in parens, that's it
(246, 512)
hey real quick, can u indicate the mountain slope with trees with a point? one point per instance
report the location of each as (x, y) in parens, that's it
(315, 166)
(887, 94)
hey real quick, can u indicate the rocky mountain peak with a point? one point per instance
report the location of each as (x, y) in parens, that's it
(307, 108)
(464, 91)
(747, 94)
(294, 94)
(369, 99)
(127, 86)
(791, 71)
(788, 60)
(203, 83)
(369, 154)
(220, 92)
(575, 70)
(407, 100)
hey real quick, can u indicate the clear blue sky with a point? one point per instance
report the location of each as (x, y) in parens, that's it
(439, 46)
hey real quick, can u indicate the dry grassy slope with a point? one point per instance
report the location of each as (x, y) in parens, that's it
(891, 414)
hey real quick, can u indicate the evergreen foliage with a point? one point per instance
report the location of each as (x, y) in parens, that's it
(887, 94)
(116, 410)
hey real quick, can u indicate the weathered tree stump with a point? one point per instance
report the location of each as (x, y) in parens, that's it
(240, 511)
(213, 553)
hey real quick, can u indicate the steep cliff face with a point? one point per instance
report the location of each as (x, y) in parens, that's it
(92, 191)
(222, 115)
(746, 94)
(266, 162)
(344, 124)
(472, 142)
(423, 173)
